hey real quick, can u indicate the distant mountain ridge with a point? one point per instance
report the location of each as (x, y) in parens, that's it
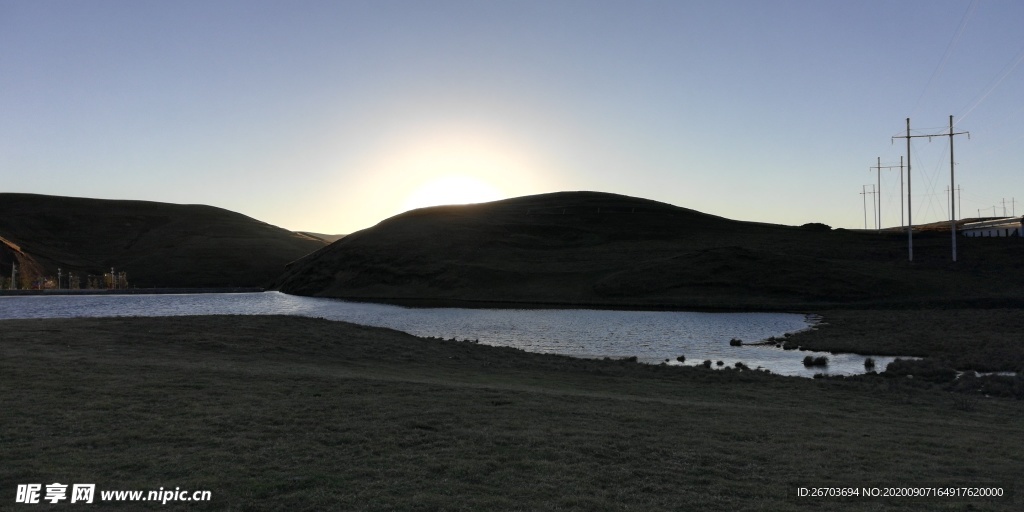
(593, 248)
(155, 244)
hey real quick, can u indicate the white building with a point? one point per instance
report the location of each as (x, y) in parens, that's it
(1010, 226)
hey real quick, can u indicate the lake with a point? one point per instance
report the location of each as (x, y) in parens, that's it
(651, 336)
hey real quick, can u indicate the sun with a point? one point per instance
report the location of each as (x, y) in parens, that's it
(442, 166)
(452, 189)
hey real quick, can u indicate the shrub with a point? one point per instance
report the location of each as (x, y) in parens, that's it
(720, 363)
(735, 342)
(999, 385)
(869, 364)
(928, 370)
(707, 363)
(816, 226)
(681, 359)
(810, 361)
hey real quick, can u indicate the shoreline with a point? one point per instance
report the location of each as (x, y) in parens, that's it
(805, 308)
(697, 307)
(979, 339)
(133, 291)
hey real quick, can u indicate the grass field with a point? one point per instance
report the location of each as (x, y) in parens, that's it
(964, 339)
(280, 413)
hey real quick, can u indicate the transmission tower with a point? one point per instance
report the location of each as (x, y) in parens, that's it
(864, 199)
(879, 168)
(952, 183)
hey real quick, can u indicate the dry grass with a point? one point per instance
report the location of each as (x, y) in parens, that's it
(277, 413)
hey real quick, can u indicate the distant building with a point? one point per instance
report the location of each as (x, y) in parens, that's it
(1009, 226)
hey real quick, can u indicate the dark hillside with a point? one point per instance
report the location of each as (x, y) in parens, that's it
(156, 244)
(321, 236)
(605, 249)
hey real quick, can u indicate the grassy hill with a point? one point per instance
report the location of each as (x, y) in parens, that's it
(321, 236)
(156, 244)
(589, 248)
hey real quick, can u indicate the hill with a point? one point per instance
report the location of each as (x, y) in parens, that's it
(156, 244)
(590, 248)
(321, 236)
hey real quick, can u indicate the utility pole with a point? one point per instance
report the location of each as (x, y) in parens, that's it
(901, 190)
(864, 201)
(14, 273)
(879, 167)
(864, 194)
(58, 278)
(878, 214)
(910, 219)
(952, 220)
(873, 194)
(910, 212)
(910, 208)
(957, 199)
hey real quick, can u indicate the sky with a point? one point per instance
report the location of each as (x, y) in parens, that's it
(330, 116)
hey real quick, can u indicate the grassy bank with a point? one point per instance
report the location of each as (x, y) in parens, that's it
(974, 339)
(272, 413)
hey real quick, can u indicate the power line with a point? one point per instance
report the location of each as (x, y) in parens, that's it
(952, 209)
(933, 180)
(864, 193)
(910, 221)
(949, 51)
(879, 167)
(1013, 206)
(1018, 59)
(910, 217)
(957, 200)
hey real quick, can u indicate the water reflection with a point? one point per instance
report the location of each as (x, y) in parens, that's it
(651, 336)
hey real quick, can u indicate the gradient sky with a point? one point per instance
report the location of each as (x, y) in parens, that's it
(330, 116)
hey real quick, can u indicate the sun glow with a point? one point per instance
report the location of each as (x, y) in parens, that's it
(442, 165)
(452, 189)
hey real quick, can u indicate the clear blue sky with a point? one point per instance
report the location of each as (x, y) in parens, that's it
(330, 116)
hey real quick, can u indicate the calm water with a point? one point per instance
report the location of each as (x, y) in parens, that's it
(652, 336)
